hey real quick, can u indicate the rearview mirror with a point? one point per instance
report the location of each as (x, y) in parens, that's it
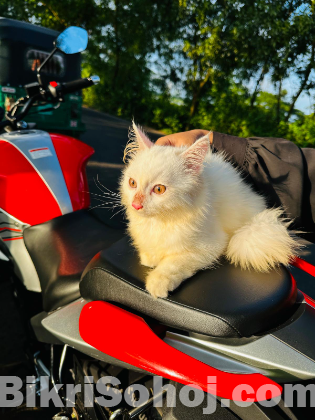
(72, 40)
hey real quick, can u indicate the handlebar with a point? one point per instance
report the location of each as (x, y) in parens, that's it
(9, 120)
(56, 92)
(79, 84)
(70, 87)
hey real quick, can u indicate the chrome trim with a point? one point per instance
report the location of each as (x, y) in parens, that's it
(135, 412)
(62, 361)
(120, 414)
(41, 369)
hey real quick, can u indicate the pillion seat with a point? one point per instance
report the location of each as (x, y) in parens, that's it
(221, 302)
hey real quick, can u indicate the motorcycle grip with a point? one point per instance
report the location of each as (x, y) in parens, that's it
(79, 84)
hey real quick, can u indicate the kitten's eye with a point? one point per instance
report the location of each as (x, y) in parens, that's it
(132, 183)
(159, 189)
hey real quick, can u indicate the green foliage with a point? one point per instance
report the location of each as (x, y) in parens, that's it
(119, 53)
(170, 114)
(302, 131)
(54, 14)
(180, 64)
(231, 112)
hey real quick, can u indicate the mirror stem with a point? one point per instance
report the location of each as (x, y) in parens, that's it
(43, 64)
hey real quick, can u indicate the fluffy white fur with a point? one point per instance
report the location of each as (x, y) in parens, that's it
(206, 211)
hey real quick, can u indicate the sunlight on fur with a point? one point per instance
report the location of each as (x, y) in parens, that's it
(205, 211)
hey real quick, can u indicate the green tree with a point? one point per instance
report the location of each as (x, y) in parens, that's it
(178, 64)
(228, 40)
(133, 33)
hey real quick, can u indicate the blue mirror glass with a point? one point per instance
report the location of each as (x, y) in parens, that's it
(72, 40)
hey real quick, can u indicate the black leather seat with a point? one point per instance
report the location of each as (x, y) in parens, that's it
(61, 248)
(222, 302)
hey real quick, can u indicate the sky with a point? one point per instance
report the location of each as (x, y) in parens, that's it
(305, 102)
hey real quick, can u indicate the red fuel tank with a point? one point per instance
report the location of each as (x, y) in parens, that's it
(42, 175)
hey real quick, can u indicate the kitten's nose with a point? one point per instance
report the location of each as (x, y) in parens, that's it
(137, 206)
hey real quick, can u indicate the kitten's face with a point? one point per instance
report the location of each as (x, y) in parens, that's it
(159, 180)
(155, 182)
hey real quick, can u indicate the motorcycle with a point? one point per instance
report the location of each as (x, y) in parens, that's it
(236, 338)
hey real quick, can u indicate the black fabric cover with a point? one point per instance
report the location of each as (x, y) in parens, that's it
(61, 248)
(221, 302)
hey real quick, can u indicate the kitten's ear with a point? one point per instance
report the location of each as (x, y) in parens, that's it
(143, 141)
(194, 156)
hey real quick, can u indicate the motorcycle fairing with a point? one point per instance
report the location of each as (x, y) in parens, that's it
(73, 156)
(42, 176)
(28, 190)
(309, 300)
(13, 246)
(266, 354)
(129, 339)
(304, 266)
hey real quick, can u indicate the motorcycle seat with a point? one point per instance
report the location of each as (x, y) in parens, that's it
(221, 302)
(60, 250)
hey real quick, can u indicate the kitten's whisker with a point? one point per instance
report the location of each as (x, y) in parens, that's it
(97, 186)
(101, 195)
(117, 212)
(96, 197)
(106, 198)
(111, 192)
(103, 207)
(106, 194)
(106, 202)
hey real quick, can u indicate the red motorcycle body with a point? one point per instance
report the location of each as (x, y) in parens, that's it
(25, 190)
(42, 176)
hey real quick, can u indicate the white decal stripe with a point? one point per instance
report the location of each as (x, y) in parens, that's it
(40, 175)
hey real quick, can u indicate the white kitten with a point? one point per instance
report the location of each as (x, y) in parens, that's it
(186, 207)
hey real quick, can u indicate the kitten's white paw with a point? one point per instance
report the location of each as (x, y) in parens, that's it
(146, 260)
(157, 285)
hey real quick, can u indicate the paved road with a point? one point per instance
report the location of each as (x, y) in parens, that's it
(108, 135)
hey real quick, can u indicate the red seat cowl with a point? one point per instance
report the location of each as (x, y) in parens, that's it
(130, 339)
